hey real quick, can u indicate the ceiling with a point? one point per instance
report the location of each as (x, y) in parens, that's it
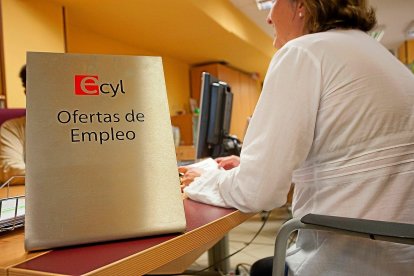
(192, 31)
(395, 15)
(200, 31)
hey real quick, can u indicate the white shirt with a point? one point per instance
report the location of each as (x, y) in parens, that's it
(336, 117)
(12, 149)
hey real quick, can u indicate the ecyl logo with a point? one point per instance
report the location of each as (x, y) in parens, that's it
(90, 85)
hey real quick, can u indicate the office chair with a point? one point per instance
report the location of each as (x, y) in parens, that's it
(372, 229)
(5, 115)
(11, 113)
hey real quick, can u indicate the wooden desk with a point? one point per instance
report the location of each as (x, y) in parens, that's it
(165, 254)
(12, 250)
(11, 243)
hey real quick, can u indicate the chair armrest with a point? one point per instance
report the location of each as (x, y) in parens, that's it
(376, 230)
(381, 230)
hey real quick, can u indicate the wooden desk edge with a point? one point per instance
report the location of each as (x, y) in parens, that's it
(24, 272)
(150, 259)
(153, 258)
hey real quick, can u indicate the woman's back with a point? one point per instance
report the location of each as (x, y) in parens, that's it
(361, 163)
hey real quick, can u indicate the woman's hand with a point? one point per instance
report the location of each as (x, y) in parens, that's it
(228, 162)
(187, 175)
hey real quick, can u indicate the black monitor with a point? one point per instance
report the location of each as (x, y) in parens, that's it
(213, 130)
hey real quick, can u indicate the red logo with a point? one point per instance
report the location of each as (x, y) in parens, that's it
(90, 85)
(86, 85)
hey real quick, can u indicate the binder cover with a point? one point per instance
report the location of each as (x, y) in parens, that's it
(100, 156)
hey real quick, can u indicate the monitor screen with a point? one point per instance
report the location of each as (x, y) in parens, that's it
(215, 115)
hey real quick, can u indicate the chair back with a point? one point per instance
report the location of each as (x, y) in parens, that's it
(11, 113)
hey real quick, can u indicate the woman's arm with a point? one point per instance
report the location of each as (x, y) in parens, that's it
(277, 141)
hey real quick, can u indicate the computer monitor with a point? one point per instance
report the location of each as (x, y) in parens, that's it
(216, 101)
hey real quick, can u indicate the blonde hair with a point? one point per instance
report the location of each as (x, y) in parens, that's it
(323, 15)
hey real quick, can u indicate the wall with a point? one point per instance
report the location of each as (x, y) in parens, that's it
(160, 29)
(44, 31)
(27, 26)
(233, 21)
(177, 79)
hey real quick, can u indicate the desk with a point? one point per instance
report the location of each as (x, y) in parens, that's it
(165, 254)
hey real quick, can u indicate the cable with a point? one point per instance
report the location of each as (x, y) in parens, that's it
(245, 266)
(228, 256)
(237, 251)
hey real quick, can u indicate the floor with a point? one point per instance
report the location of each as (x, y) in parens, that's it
(262, 246)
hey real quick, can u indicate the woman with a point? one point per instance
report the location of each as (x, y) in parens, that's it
(336, 117)
(12, 144)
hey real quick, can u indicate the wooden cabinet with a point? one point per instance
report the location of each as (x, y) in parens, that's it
(185, 153)
(406, 52)
(185, 124)
(245, 88)
(186, 150)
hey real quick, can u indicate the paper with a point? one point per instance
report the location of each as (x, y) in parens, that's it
(206, 164)
(8, 209)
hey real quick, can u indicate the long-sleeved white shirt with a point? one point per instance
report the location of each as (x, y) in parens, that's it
(12, 149)
(336, 117)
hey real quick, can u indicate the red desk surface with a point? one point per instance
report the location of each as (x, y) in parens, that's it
(84, 259)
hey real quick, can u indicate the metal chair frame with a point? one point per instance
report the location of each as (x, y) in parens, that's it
(372, 229)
